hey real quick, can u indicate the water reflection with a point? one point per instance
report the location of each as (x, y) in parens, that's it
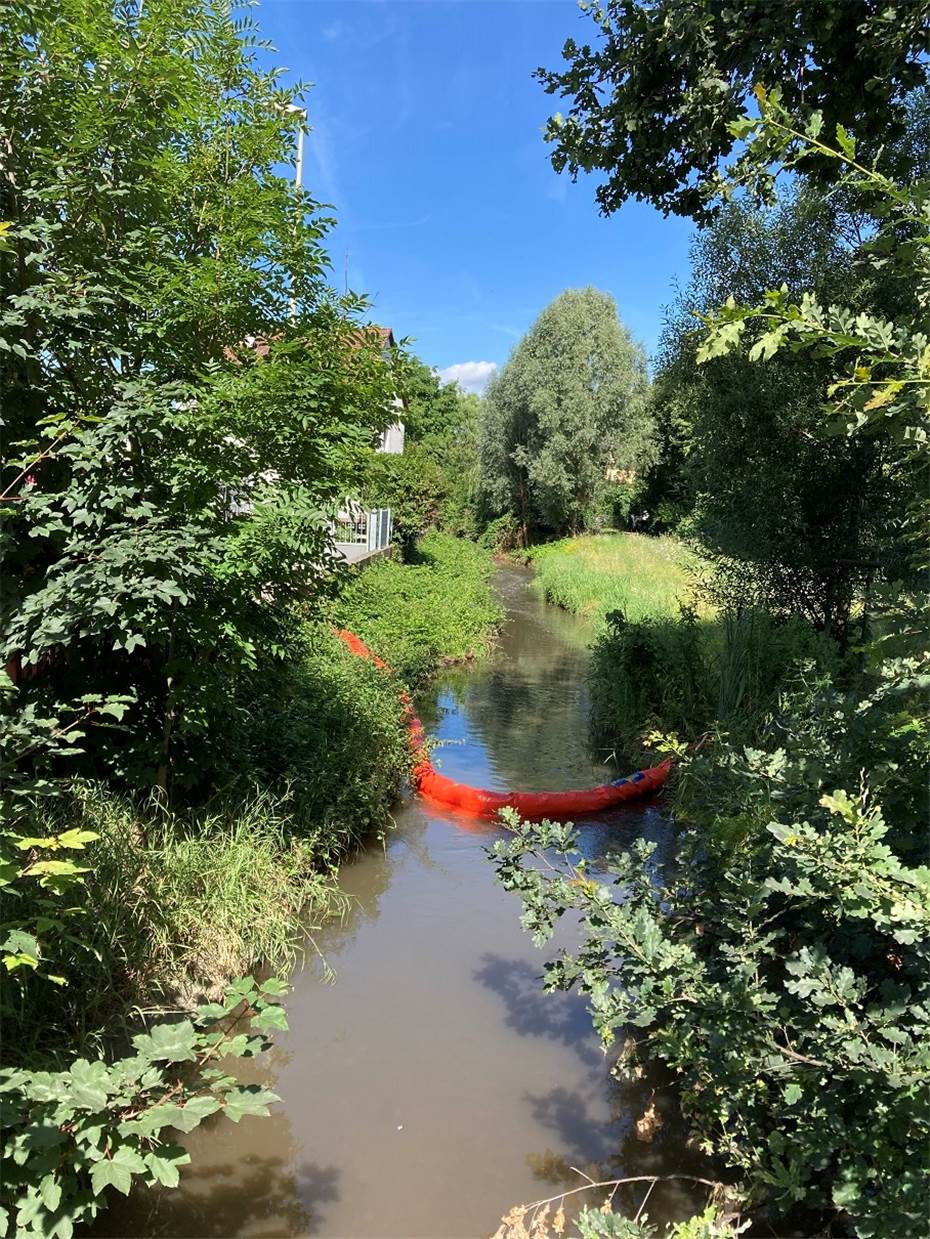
(436, 1084)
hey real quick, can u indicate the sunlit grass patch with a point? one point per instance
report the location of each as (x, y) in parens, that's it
(644, 577)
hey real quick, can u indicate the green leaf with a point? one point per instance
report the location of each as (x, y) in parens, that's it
(194, 1111)
(90, 1084)
(272, 1018)
(172, 1043)
(50, 1192)
(110, 1173)
(248, 1100)
(164, 1164)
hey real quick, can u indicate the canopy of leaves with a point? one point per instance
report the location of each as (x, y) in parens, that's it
(184, 400)
(652, 99)
(432, 483)
(794, 516)
(568, 407)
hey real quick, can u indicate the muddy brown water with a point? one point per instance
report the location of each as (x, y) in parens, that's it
(434, 1084)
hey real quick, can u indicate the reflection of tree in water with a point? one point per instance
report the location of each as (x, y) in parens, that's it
(573, 1113)
(528, 707)
(530, 724)
(254, 1195)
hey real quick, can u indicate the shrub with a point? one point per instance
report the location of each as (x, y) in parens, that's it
(501, 535)
(781, 968)
(436, 610)
(325, 732)
(690, 674)
(70, 1135)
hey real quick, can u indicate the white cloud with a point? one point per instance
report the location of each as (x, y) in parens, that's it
(472, 376)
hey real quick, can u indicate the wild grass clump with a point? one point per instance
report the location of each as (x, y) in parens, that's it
(692, 674)
(172, 907)
(591, 576)
(437, 609)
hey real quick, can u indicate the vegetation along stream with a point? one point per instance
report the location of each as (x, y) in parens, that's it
(435, 1084)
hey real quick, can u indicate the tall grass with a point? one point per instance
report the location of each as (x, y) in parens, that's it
(437, 609)
(661, 660)
(173, 906)
(594, 575)
(177, 903)
(692, 675)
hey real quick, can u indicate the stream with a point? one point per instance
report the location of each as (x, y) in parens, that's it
(434, 1084)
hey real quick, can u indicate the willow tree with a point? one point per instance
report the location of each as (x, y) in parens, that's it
(565, 415)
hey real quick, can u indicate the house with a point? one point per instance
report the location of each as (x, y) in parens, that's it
(361, 535)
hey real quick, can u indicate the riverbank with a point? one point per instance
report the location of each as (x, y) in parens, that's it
(189, 898)
(597, 574)
(435, 610)
(663, 659)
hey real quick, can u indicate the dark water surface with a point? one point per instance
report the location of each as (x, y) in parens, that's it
(434, 1085)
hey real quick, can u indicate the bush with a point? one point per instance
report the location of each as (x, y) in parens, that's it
(781, 969)
(418, 616)
(325, 732)
(70, 1135)
(501, 535)
(689, 674)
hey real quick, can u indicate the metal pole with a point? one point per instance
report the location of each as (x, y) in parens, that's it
(299, 169)
(301, 113)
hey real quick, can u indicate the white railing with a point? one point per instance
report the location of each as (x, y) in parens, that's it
(368, 530)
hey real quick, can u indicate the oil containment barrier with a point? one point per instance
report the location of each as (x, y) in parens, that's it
(482, 803)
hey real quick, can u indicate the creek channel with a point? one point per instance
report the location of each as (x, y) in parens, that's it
(435, 1084)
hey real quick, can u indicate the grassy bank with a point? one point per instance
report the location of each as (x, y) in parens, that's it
(662, 660)
(176, 903)
(437, 609)
(592, 576)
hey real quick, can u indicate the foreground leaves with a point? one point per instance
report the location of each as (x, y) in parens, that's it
(68, 1136)
(782, 971)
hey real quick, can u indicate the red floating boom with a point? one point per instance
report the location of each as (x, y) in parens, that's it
(481, 803)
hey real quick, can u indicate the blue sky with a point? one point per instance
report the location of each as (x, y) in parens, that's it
(426, 139)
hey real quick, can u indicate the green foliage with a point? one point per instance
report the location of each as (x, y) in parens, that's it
(34, 873)
(432, 483)
(781, 969)
(70, 1135)
(567, 408)
(324, 733)
(184, 401)
(645, 578)
(791, 518)
(602, 1223)
(689, 675)
(884, 389)
(414, 485)
(653, 99)
(436, 610)
(501, 535)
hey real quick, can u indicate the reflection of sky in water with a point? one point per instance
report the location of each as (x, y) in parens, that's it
(520, 719)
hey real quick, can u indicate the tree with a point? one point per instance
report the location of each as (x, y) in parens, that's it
(432, 482)
(794, 519)
(184, 399)
(567, 407)
(652, 101)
